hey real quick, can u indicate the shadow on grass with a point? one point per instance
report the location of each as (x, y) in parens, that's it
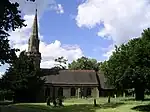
(110, 105)
(133, 99)
(67, 108)
(142, 108)
(5, 102)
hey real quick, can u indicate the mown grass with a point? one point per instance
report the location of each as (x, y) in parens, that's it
(83, 105)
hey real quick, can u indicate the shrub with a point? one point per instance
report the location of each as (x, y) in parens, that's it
(60, 101)
(54, 103)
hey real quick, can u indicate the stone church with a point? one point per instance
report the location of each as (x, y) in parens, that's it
(66, 83)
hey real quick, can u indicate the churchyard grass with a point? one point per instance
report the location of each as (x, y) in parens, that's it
(83, 105)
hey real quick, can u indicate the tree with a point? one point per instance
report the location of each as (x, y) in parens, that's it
(129, 65)
(10, 19)
(84, 63)
(23, 79)
(61, 62)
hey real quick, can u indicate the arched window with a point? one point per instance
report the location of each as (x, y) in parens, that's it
(60, 91)
(88, 92)
(73, 91)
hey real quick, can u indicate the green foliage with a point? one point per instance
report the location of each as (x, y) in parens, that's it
(6, 94)
(10, 19)
(23, 79)
(84, 63)
(129, 65)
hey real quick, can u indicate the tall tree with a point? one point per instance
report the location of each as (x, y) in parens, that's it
(23, 79)
(129, 65)
(10, 19)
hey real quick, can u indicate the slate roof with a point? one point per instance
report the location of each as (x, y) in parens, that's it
(103, 80)
(74, 77)
(46, 72)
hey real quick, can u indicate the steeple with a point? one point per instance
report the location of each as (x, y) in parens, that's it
(34, 39)
(35, 26)
(33, 43)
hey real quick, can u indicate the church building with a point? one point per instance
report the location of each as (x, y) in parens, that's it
(66, 83)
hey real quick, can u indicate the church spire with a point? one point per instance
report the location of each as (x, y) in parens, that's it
(34, 39)
(35, 26)
(33, 44)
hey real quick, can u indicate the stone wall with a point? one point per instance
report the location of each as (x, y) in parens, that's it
(53, 92)
(66, 92)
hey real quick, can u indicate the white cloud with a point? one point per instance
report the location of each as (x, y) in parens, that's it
(19, 36)
(108, 51)
(60, 9)
(122, 19)
(54, 50)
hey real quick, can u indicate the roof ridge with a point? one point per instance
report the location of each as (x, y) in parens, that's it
(78, 70)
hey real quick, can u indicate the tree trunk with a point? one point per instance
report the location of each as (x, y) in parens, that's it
(139, 93)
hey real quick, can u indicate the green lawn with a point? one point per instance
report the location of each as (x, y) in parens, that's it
(82, 105)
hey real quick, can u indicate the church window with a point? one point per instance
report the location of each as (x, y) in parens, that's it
(73, 91)
(60, 91)
(88, 91)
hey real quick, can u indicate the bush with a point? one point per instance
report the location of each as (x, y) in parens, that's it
(60, 102)
(6, 95)
(54, 103)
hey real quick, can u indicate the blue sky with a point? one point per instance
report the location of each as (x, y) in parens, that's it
(75, 28)
(63, 27)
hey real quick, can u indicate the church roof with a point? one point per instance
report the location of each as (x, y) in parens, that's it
(75, 77)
